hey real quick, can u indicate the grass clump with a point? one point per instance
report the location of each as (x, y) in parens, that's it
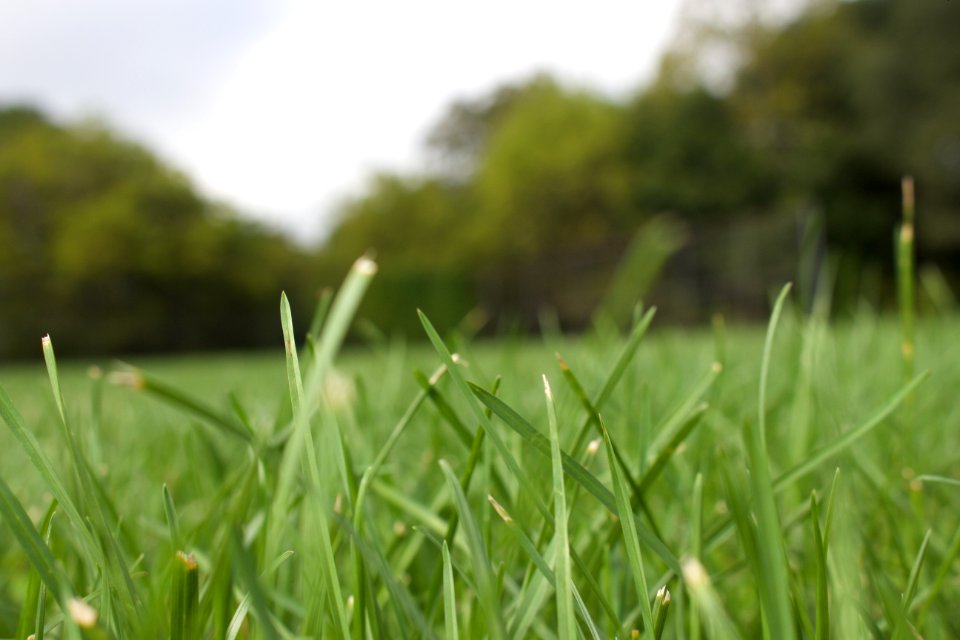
(355, 496)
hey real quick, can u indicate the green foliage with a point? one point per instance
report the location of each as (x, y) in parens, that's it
(538, 185)
(110, 250)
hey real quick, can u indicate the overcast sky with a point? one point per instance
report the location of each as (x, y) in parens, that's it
(282, 108)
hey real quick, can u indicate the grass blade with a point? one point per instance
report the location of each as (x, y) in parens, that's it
(566, 624)
(247, 574)
(823, 603)
(775, 590)
(449, 597)
(173, 522)
(52, 479)
(31, 542)
(848, 437)
(521, 477)
(701, 589)
(696, 548)
(186, 598)
(660, 605)
(33, 613)
(574, 469)
(140, 380)
(526, 608)
(631, 538)
(301, 451)
(911, 588)
(483, 573)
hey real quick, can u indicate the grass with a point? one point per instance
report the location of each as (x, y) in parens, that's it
(754, 485)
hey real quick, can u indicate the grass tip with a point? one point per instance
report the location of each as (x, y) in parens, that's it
(188, 559)
(694, 574)
(82, 613)
(564, 366)
(435, 378)
(504, 515)
(593, 446)
(129, 379)
(365, 266)
(906, 187)
(716, 367)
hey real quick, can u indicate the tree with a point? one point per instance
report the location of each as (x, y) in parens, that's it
(111, 250)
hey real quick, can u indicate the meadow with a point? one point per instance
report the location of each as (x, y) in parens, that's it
(787, 481)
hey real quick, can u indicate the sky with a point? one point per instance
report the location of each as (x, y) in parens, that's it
(283, 108)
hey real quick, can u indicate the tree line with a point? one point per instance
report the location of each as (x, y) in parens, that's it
(538, 196)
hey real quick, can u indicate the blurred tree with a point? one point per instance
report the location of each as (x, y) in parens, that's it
(110, 250)
(849, 97)
(686, 153)
(551, 178)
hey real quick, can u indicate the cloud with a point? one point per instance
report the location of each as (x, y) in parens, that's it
(138, 62)
(282, 108)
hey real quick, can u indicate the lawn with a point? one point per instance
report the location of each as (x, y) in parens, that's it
(775, 492)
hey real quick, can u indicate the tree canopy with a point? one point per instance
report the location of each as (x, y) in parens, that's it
(107, 247)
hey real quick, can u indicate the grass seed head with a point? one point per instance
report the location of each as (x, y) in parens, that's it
(82, 613)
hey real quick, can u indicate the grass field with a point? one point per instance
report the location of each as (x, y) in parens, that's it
(776, 491)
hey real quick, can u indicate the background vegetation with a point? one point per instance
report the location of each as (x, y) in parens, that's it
(536, 194)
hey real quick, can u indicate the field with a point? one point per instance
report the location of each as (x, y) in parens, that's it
(783, 481)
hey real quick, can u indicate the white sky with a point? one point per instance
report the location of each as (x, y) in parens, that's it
(283, 108)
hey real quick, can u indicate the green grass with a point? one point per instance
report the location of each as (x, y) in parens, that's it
(772, 487)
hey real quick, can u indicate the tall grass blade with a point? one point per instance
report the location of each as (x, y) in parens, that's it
(530, 599)
(574, 469)
(775, 590)
(906, 279)
(519, 474)
(700, 586)
(666, 451)
(33, 613)
(408, 615)
(103, 516)
(848, 437)
(247, 574)
(566, 624)
(482, 571)
(631, 538)
(449, 597)
(696, 548)
(623, 361)
(186, 598)
(301, 452)
(910, 590)
(139, 380)
(823, 602)
(173, 522)
(31, 542)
